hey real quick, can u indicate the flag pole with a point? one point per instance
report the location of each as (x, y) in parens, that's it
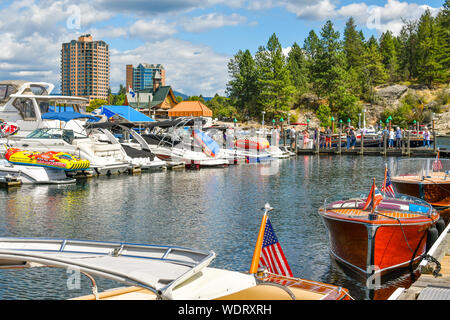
(259, 241)
(385, 178)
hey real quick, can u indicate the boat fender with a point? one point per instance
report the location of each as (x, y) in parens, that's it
(440, 225)
(432, 236)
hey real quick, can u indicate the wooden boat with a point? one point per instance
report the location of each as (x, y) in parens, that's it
(49, 159)
(252, 143)
(391, 237)
(427, 179)
(153, 272)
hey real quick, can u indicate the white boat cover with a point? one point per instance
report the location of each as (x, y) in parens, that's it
(157, 268)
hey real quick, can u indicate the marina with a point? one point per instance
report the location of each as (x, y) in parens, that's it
(146, 154)
(205, 208)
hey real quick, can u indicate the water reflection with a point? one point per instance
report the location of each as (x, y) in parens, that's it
(216, 209)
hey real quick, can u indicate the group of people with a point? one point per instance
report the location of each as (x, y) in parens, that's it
(395, 139)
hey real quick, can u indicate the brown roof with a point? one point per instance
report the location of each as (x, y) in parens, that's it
(190, 108)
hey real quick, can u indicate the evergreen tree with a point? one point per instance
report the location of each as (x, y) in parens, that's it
(353, 45)
(243, 84)
(408, 50)
(427, 62)
(328, 65)
(442, 54)
(389, 54)
(274, 78)
(298, 68)
(373, 71)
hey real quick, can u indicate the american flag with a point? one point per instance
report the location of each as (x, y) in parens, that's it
(387, 187)
(272, 256)
(376, 195)
(437, 164)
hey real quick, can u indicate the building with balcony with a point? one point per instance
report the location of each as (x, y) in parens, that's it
(85, 68)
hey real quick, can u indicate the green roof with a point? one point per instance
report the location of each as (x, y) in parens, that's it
(160, 95)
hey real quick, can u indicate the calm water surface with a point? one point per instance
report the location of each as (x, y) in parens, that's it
(212, 209)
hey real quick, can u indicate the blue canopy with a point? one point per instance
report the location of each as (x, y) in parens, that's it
(125, 112)
(67, 116)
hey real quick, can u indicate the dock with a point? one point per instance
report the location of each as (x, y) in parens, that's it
(376, 151)
(434, 281)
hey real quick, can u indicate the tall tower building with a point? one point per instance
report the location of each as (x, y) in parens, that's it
(145, 76)
(85, 68)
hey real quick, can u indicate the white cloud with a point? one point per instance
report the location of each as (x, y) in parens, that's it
(152, 29)
(146, 7)
(190, 68)
(212, 21)
(383, 18)
(386, 17)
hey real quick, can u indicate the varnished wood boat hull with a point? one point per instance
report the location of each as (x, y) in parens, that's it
(371, 247)
(431, 193)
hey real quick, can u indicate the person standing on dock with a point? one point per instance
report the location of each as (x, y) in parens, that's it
(328, 134)
(353, 137)
(292, 137)
(349, 137)
(426, 138)
(398, 138)
(391, 138)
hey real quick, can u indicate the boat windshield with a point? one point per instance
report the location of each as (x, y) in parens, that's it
(59, 106)
(55, 133)
(421, 168)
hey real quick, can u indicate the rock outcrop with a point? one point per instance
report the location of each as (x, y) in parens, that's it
(391, 94)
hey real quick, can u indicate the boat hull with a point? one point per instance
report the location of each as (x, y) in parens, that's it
(376, 247)
(432, 193)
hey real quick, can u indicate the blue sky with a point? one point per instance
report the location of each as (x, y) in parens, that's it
(193, 39)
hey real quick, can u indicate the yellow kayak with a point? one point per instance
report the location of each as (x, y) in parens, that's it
(51, 159)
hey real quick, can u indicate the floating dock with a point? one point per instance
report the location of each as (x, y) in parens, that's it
(374, 151)
(434, 281)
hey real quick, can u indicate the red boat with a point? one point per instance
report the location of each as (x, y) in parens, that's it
(392, 236)
(426, 179)
(252, 143)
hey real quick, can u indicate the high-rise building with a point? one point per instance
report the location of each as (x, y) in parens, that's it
(85, 68)
(145, 76)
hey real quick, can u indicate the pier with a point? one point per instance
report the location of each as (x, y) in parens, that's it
(434, 281)
(375, 151)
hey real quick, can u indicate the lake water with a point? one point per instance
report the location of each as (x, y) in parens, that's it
(213, 209)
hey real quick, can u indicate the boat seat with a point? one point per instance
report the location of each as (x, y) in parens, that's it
(128, 293)
(269, 292)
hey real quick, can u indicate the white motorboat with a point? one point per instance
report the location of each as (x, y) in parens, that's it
(31, 106)
(25, 103)
(32, 174)
(154, 272)
(137, 151)
(277, 153)
(171, 142)
(104, 157)
(226, 137)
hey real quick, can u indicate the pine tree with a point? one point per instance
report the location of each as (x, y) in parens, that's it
(408, 50)
(243, 84)
(389, 54)
(427, 64)
(373, 71)
(353, 45)
(274, 78)
(297, 65)
(442, 55)
(329, 62)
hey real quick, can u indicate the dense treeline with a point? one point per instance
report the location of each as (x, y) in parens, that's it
(339, 71)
